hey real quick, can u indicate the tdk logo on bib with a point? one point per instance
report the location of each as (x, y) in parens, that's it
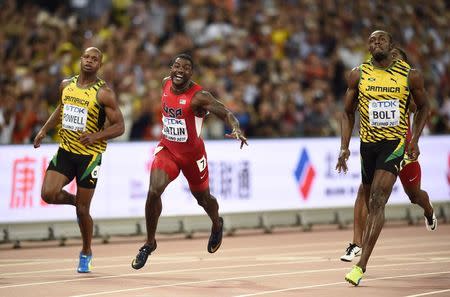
(170, 121)
(71, 108)
(384, 104)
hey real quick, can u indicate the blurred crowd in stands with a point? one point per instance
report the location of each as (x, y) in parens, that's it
(279, 65)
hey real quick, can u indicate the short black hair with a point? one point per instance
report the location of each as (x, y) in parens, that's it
(184, 56)
(391, 40)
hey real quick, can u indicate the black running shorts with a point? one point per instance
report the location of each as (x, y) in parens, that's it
(84, 167)
(384, 155)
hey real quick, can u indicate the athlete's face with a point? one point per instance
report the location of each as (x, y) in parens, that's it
(397, 55)
(91, 60)
(380, 45)
(181, 72)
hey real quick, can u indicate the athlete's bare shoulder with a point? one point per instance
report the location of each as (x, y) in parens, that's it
(353, 77)
(105, 95)
(415, 78)
(105, 89)
(64, 83)
(164, 81)
(415, 74)
(355, 70)
(202, 97)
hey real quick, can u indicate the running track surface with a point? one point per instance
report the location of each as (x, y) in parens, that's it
(407, 261)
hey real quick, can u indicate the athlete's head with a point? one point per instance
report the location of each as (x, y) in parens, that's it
(399, 54)
(380, 45)
(181, 70)
(91, 60)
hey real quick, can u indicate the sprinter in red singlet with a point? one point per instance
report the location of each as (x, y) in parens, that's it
(184, 105)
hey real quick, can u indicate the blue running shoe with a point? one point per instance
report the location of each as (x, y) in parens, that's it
(85, 264)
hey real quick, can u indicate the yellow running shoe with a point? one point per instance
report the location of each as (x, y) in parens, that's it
(355, 275)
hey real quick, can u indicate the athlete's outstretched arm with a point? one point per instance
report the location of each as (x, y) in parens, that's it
(348, 118)
(417, 89)
(53, 120)
(204, 100)
(116, 127)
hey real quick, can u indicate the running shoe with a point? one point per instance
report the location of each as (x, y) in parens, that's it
(355, 275)
(351, 252)
(431, 225)
(145, 251)
(85, 264)
(215, 239)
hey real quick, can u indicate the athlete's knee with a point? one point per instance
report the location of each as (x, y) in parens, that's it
(413, 195)
(377, 200)
(202, 201)
(49, 195)
(82, 211)
(154, 193)
(202, 198)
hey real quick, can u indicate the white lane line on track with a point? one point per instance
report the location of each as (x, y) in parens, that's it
(429, 293)
(414, 243)
(280, 257)
(162, 259)
(344, 282)
(203, 257)
(155, 273)
(207, 269)
(253, 277)
(298, 259)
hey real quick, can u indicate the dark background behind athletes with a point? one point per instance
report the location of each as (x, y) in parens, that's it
(280, 66)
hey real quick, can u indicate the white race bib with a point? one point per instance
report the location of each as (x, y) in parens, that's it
(74, 117)
(385, 113)
(175, 129)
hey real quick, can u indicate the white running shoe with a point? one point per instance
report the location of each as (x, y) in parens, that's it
(351, 252)
(433, 225)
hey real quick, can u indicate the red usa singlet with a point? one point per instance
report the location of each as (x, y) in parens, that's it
(181, 127)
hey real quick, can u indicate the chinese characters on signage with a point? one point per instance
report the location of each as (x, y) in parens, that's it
(27, 176)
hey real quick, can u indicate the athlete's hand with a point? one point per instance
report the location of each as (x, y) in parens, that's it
(237, 133)
(87, 138)
(38, 139)
(342, 160)
(412, 150)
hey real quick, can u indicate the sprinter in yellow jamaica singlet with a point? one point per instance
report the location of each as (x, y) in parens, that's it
(380, 89)
(86, 102)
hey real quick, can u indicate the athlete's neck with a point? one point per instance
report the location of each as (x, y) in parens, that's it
(181, 89)
(86, 79)
(384, 63)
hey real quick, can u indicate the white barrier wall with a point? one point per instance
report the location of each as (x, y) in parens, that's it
(267, 175)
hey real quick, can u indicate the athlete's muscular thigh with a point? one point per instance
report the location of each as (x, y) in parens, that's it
(195, 169)
(53, 183)
(164, 160)
(60, 171)
(383, 182)
(410, 175)
(164, 170)
(202, 197)
(159, 180)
